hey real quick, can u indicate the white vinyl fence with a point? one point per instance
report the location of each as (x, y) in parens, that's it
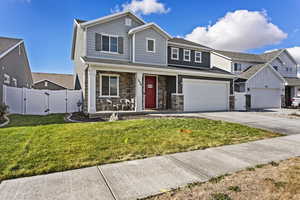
(240, 101)
(41, 102)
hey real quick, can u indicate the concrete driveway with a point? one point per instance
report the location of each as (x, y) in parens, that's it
(273, 120)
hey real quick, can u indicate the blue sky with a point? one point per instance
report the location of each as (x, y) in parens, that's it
(46, 25)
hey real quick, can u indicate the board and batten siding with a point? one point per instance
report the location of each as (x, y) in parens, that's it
(265, 78)
(115, 27)
(288, 63)
(141, 54)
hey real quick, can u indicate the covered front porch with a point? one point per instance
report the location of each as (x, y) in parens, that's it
(292, 89)
(128, 92)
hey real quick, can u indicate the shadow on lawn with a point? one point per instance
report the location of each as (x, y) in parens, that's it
(35, 120)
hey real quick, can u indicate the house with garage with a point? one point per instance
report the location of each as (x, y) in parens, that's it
(124, 63)
(53, 81)
(265, 78)
(14, 65)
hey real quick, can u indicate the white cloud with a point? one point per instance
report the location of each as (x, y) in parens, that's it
(295, 52)
(144, 7)
(239, 31)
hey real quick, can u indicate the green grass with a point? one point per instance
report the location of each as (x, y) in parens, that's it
(32, 145)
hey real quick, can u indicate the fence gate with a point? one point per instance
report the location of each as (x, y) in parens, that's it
(41, 102)
(240, 101)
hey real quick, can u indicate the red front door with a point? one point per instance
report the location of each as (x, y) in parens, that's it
(150, 90)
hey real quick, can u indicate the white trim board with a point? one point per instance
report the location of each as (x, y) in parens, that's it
(10, 49)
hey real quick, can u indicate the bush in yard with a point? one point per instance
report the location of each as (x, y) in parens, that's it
(3, 111)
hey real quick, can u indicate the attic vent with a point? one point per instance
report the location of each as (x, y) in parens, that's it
(128, 21)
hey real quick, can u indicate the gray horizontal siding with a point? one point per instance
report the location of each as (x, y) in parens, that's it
(115, 27)
(141, 54)
(205, 58)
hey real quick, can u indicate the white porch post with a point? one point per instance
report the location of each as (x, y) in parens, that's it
(139, 91)
(91, 90)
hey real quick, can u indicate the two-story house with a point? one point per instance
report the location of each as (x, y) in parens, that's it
(14, 65)
(124, 63)
(270, 78)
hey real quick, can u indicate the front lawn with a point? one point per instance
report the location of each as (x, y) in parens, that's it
(32, 145)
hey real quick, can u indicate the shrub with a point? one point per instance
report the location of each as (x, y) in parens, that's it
(3, 111)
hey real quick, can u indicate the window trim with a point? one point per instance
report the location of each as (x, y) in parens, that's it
(239, 69)
(109, 36)
(118, 85)
(196, 57)
(187, 50)
(6, 76)
(147, 39)
(127, 19)
(174, 48)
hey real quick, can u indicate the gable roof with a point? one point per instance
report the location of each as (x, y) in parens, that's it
(187, 42)
(247, 57)
(147, 26)
(64, 80)
(8, 44)
(250, 71)
(269, 56)
(111, 17)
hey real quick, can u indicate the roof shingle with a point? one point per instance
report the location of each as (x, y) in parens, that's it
(7, 43)
(187, 42)
(64, 80)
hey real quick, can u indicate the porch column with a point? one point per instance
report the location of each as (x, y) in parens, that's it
(91, 90)
(139, 92)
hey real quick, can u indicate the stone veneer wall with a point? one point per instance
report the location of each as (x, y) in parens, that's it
(162, 92)
(126, 91)
(248, 102)
(231, 102)
(177, 102)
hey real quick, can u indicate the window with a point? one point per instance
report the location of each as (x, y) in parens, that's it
(198, 57)
(237, 67)
(109, 85)
(128, 21)
(287, 69)
(14, 82)
(174, 53)
(298, 92)
(186, 55)
(6, 79)
(276, 68)
(110, 43)
(46, 84)
(150, 45)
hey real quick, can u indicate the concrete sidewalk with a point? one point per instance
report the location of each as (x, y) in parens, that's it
(141, 178)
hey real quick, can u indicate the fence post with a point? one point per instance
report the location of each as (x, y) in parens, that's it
(66, 99)
(4, 94)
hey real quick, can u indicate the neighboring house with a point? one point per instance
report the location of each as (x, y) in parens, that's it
(266, 77)
(124, 63)
(14, 65)
(51, 81)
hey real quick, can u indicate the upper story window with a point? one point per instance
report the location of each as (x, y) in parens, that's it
(276, 68)
(46, 84)
(128, 21)
(110, 43)
(109, 85)
(186, 55)
(287, 69)
(237, 67)
(174, 53)
(14, 82)
(6, 79)
(198, 57)
(150, 45)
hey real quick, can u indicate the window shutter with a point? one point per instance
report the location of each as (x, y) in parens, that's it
(120, 45)
(98, 42)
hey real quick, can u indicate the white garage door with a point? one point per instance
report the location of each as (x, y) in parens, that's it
(204, 95)
(265, 98)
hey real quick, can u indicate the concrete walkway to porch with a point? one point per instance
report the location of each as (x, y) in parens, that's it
(142, 178)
